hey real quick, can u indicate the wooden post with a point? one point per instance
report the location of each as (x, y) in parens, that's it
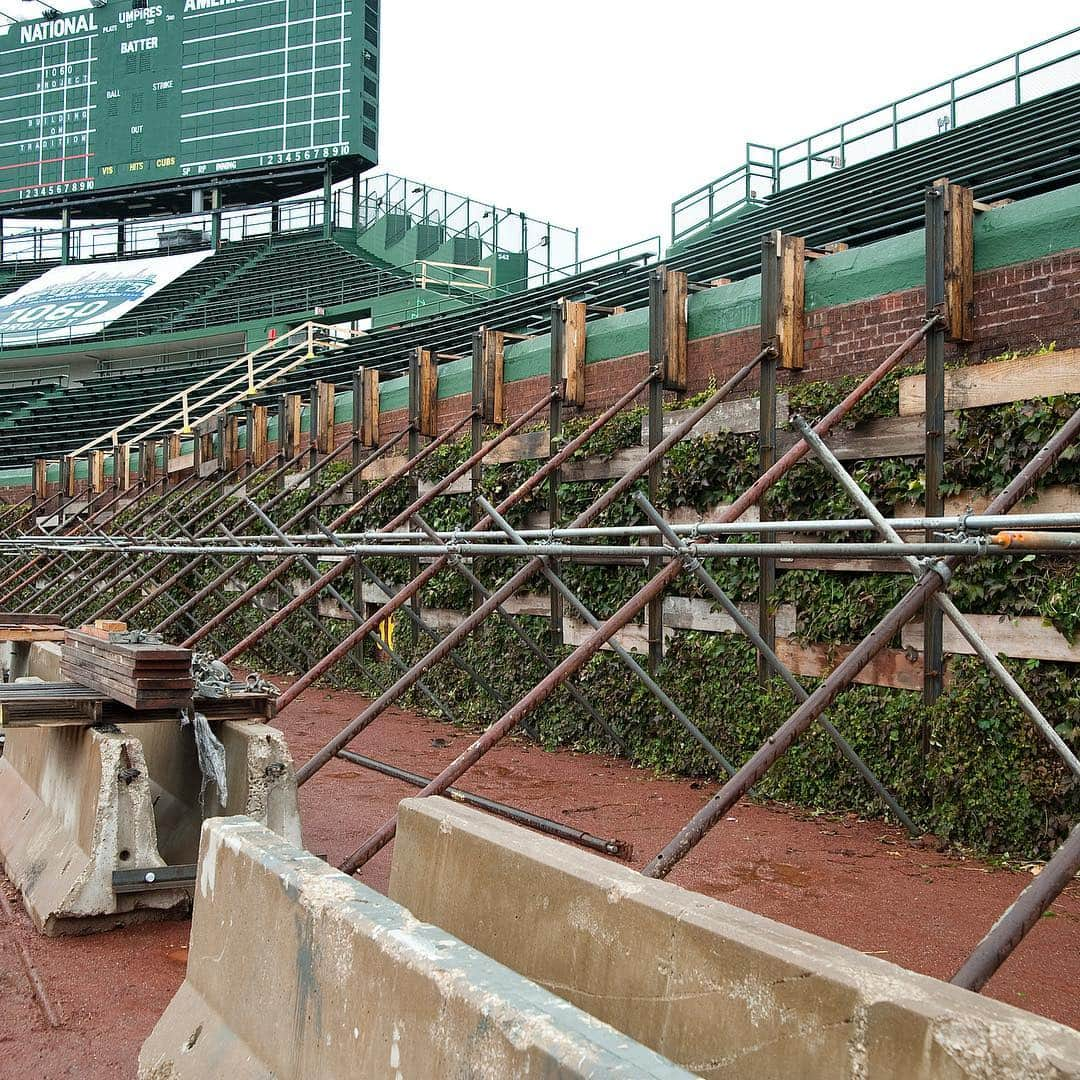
(67, 477)
(413, 479)
(148, 461)
(568, 343)
(173, 447)
(959, 257)
(369, 427)
(40, 479)
(937, 201)
(122, 467)
(791, 312)
(96, 468)
(324, 417)
(232, 455)
(293, 405)
(493, 344)
(259, 435)
(427, 415)
(667, 326)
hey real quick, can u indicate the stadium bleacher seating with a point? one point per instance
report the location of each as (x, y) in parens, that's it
(1019, 152)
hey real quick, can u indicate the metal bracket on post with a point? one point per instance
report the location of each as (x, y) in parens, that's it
(562, 329)
(668, 291)
(772, 291)
(427, 413)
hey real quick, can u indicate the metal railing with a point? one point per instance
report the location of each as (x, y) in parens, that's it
(1022, 76)
(54, 375)
(491, 228)
(452, 277)
(255, 378)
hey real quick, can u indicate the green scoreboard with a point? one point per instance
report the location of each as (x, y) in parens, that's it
(132, 94)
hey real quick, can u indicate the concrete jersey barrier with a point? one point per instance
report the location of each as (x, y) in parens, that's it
(721, 991)
(297, 971)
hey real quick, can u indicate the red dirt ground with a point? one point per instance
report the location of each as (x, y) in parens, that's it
(857, 882)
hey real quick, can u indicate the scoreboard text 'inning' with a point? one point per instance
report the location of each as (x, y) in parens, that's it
(124, 95)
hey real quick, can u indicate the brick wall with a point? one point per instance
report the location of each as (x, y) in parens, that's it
(1017, 307)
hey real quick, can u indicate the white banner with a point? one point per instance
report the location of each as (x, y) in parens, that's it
(70, 302)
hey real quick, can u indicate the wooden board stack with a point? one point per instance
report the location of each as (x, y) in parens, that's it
(138, 675)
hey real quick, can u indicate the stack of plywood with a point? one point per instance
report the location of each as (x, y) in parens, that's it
(140, 675)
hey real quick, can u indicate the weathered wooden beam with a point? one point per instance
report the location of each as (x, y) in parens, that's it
(323, 436)
(40, 478)
(999, 383)
(568, 348)
(122, 467)
(427, 417)
(294, 403)
(959, 262)
(369, 422)
(259, 434)
(96, 469)
(1025, 637)
(667, 326)
(492, 360)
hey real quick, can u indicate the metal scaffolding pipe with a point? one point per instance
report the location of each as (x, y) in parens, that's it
(414, 586)
(693, 565)
(958, 619)
(511, 813)
(576, 660)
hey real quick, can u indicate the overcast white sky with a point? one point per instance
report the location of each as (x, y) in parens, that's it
(598, 113)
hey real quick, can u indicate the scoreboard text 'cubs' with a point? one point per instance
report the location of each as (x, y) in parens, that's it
(131, 94)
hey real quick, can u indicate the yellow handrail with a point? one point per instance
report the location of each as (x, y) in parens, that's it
(252, 385)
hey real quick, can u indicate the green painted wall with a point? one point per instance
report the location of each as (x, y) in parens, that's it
(1028, 229)
(1024, 230)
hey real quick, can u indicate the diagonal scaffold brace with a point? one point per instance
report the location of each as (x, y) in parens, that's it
(652, 589)
(844, 674)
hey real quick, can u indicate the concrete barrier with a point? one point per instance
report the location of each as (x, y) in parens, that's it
(75, 804)
(719, 990)
(297, 971)
(78, 803)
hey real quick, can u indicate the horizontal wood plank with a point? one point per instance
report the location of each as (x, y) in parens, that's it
(999, 382)
(1025, 637)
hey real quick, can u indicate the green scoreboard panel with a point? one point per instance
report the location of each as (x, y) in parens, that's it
(121, 96)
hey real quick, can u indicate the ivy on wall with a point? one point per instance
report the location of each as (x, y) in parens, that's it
(970, 769)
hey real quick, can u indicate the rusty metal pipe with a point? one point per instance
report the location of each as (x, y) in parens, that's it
(405, 594)
(268, 579)
(1020, 916)
(340, 568)
(512, 813)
